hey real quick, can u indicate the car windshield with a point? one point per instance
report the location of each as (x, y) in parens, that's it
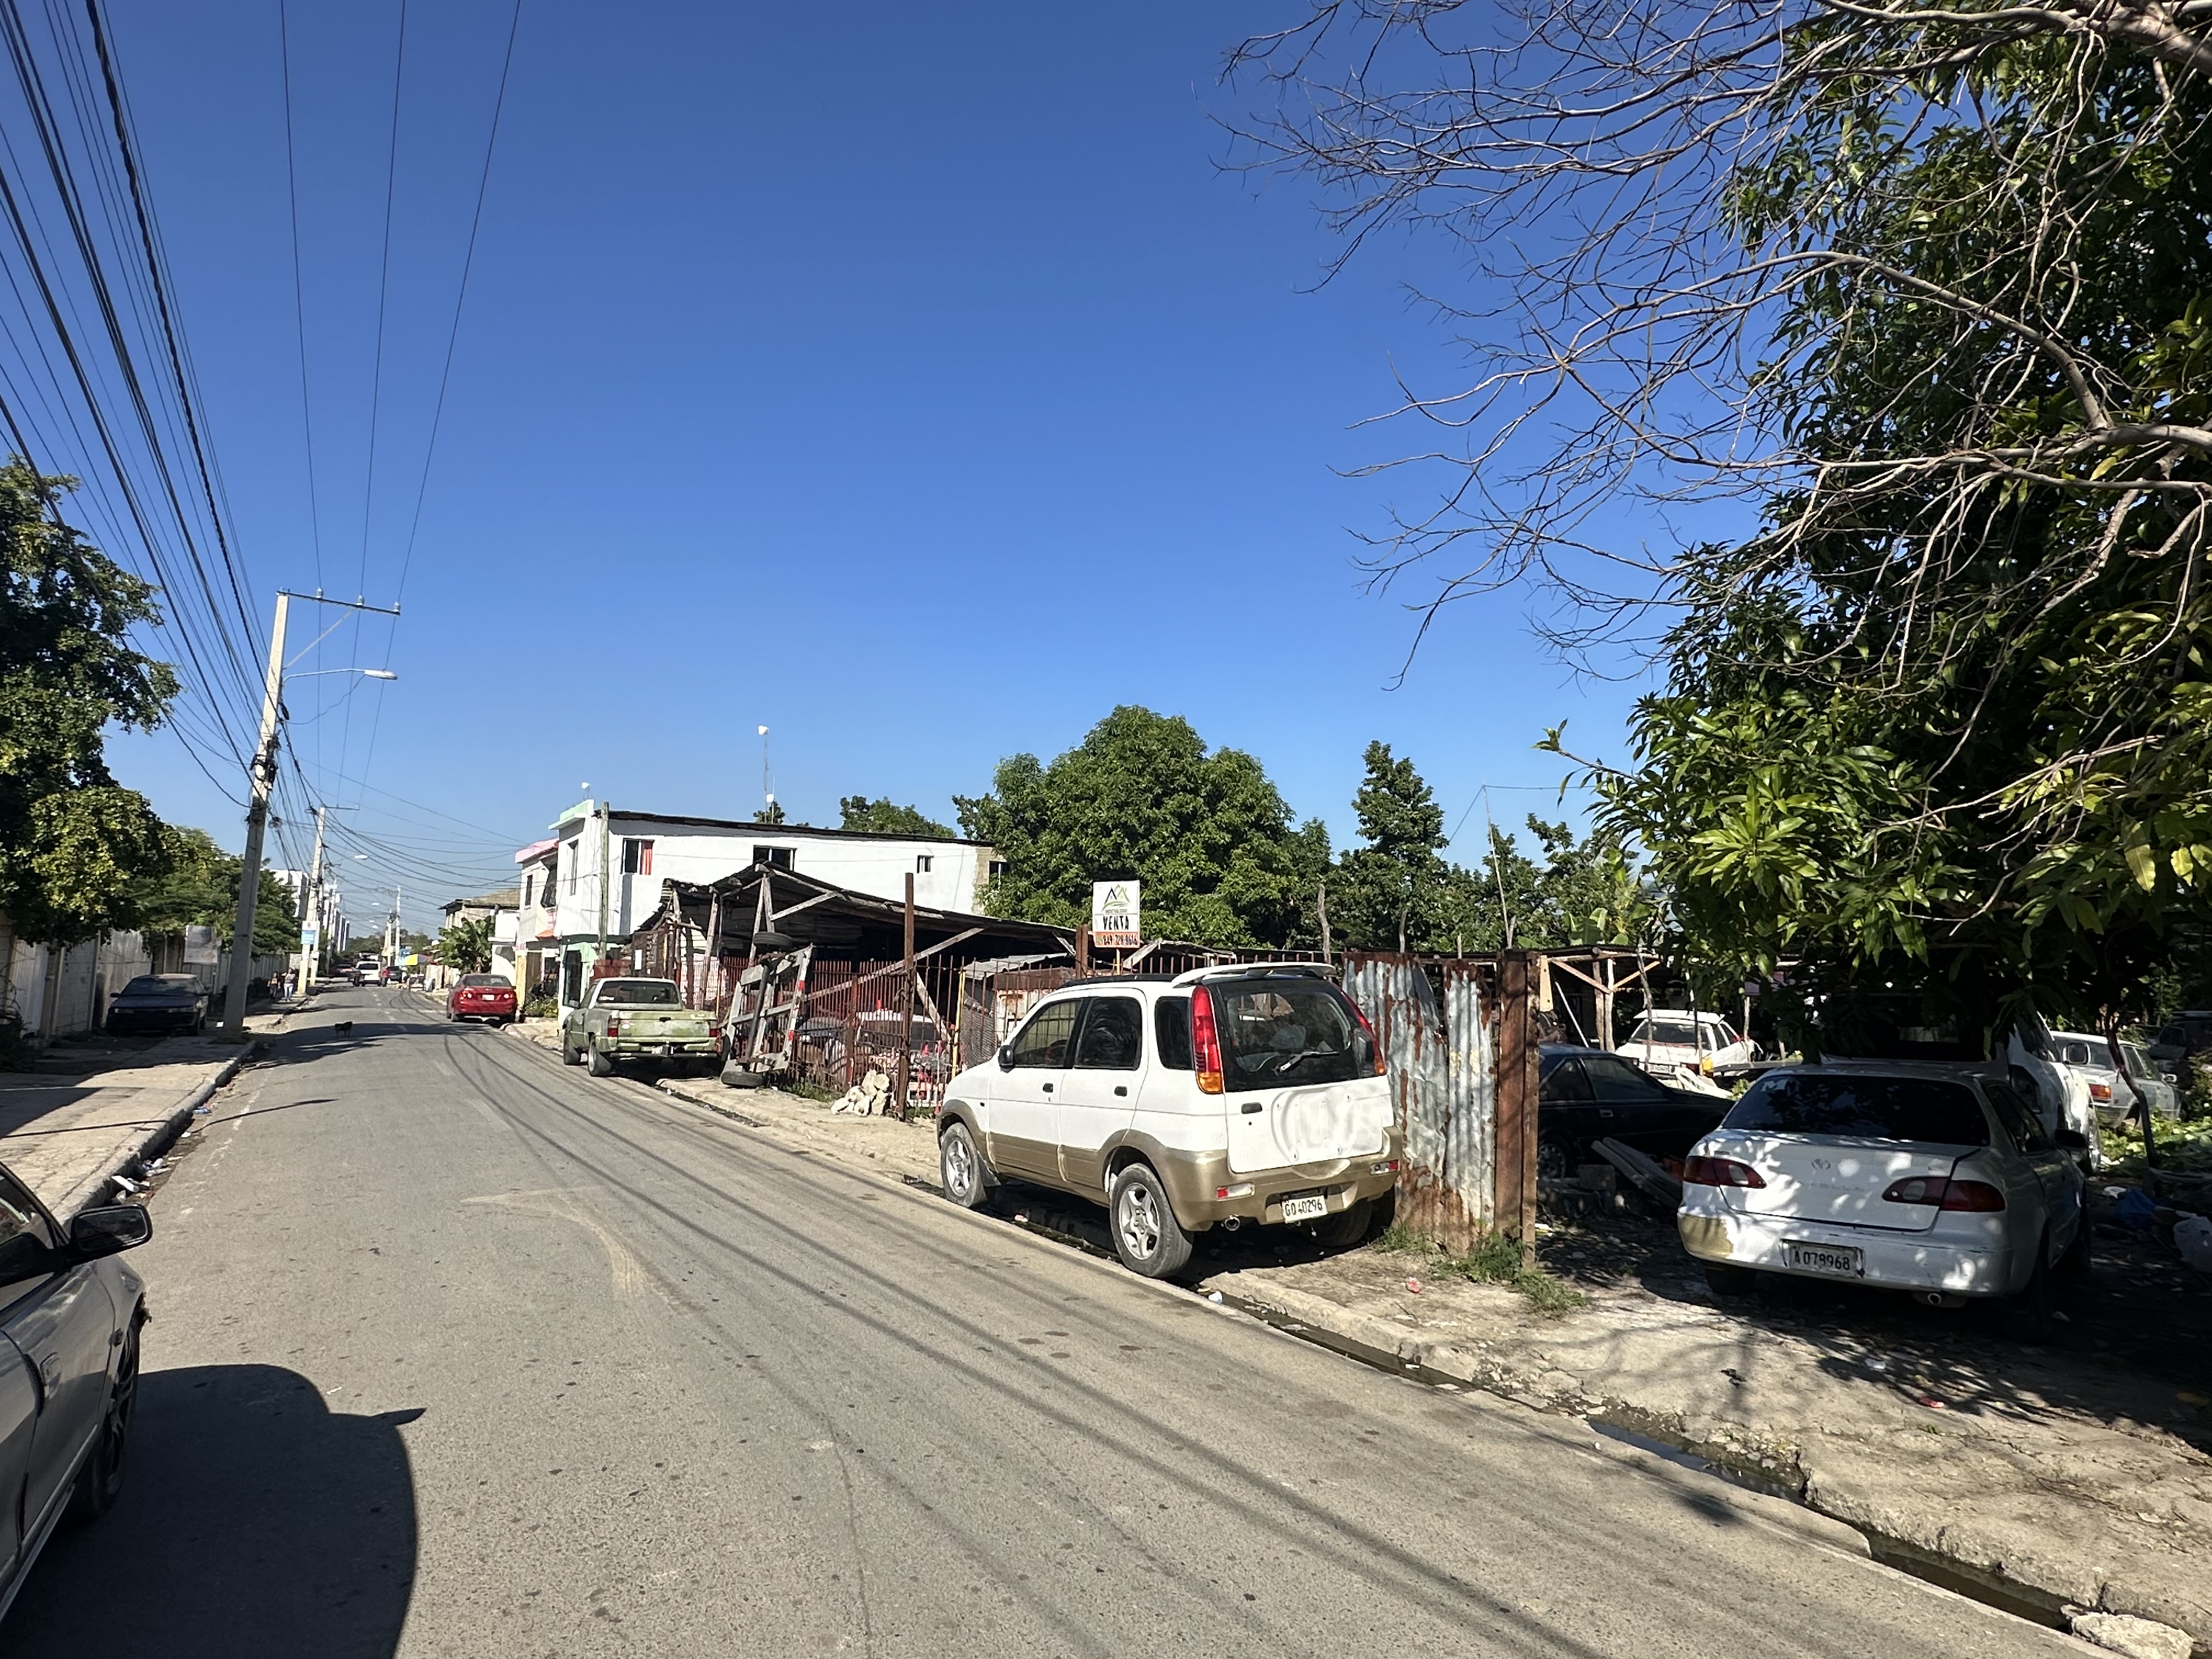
(478, 981)
(646, 992)
(1279, 1032)
(1864, 1107)
(151, 984)
(1672, 1031)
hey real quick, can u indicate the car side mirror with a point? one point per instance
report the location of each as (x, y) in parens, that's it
(108, 1230)
(2071, 1140)
(1005, 1056)
(2170, 1076)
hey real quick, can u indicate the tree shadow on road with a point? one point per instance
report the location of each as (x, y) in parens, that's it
(255, 1524)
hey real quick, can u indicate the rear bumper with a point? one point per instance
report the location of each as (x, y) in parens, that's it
(675, 1049)
(1196, 1183)
(120, 1020)
(1712, 1232)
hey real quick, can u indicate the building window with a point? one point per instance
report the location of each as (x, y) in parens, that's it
(998, 868)
(529, 886)
(922, 862)
(570, 856)
(777, 857)
(637, 857)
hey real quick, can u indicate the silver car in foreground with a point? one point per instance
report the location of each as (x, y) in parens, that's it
(69, 1316)
(1940, 1179)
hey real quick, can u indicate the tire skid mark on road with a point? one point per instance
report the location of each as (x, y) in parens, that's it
(627, 1272)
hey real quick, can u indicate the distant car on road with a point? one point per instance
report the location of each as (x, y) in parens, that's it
(366, 970)
(1586, 1095)
(481, 996)
(1937, 1179)
(175, 1003)
(69, 1316)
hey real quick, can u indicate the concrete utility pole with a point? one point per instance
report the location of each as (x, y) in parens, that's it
(263, 776)
(261, 779)
(311, 909)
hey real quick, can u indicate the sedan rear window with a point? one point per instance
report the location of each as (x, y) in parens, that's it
(1289, 1031)
(1866, 1108)
(478, 981)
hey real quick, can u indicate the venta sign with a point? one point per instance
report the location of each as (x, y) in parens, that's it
(1116, 908)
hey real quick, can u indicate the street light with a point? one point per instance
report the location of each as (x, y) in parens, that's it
(262, 777)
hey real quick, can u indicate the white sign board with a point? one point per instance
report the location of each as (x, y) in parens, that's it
(1115, 915)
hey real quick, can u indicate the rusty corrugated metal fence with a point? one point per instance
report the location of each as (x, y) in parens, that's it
(1444, 1079)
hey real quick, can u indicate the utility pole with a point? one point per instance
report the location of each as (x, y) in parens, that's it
(311, 909)
(264, 775)
(261, 779)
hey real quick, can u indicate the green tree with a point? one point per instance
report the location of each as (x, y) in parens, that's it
(1390, 891)
(771, 813)
(464, 945)
(881, 817)
(76, 848)
(1927, 289)
(195, 884)
(1142, 796)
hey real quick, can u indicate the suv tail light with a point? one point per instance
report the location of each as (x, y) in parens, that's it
(1204, 1042)
(1720, 1172)
(1373, 1047)
(1940, 1194)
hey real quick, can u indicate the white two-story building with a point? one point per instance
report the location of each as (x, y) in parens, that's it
(598, 878)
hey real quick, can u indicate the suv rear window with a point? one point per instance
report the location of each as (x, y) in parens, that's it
(1868, 1107)
(1171, 1032)
(1275, 1032)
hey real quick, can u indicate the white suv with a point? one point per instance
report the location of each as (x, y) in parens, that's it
(1222, 1096)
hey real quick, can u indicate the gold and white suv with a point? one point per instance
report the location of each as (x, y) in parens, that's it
(1220, 1097)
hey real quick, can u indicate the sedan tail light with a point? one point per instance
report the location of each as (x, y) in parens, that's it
(1944, 1195)
(2101, 1092)
(1720, 1172)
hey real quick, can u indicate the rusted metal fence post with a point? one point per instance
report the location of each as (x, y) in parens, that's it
(1516, 1103)
(905, 1008)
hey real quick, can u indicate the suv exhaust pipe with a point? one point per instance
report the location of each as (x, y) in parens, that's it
(1231, 1224)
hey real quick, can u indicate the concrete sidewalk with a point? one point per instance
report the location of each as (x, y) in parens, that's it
(67, 1136)
(2057, 1482)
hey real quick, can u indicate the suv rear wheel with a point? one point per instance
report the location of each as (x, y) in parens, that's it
(1146, 1234)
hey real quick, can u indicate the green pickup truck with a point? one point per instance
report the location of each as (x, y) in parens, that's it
(637, 1019)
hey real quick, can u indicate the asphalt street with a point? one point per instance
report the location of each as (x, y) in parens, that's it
(458, 1351)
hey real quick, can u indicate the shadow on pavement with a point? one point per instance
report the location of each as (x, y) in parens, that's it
(255, 1524)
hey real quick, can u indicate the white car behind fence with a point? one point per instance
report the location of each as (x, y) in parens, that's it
(1939, 1180)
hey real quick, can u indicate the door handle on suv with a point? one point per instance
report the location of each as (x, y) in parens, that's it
(1121, 1088)
(1249, 1106)
(1048, 1087)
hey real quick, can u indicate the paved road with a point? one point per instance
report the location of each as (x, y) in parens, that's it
(458, 1352)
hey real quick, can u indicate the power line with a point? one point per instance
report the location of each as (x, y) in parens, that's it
(299, 286)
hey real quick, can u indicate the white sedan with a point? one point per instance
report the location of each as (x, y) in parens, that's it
(2112, 1099)
(1670, 1040)
(1936, 1179)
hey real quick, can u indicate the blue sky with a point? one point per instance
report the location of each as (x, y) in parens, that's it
(911, 381)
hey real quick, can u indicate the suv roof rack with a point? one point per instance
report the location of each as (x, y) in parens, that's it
(1255, 970)
(1118, 979)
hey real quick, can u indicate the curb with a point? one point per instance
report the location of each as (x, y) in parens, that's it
(151, 1145)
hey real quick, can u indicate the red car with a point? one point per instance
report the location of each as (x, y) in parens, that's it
(481, 996)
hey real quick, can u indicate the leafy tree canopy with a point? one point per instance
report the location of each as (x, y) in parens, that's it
(464, 945)
(75, 846)
(881, 817)
(1205, 831)
(1396, 885)
(195, 884)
